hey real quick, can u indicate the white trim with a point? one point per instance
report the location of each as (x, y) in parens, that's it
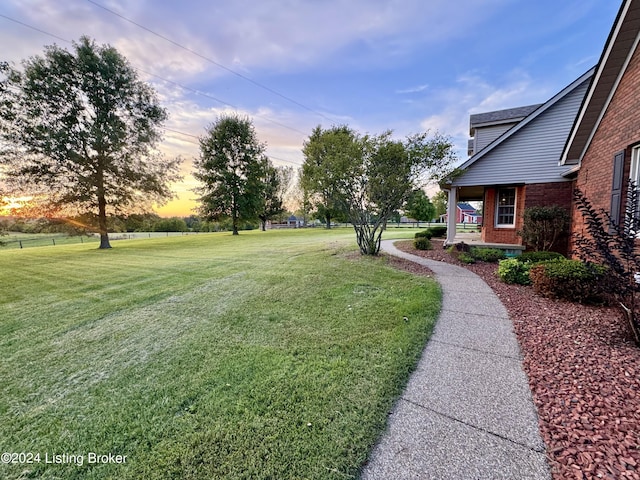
(515, 208)
(634, 172)
(610, 97)
(528, 119)
(594, 83)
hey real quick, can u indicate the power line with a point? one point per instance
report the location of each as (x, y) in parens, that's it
(194, 143)
(198, 92)
(210, 60)
(161, 78)
(34, 28)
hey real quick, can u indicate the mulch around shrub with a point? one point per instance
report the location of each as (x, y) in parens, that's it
(584, 373)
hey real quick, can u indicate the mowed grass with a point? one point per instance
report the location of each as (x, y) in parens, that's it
(272, 355)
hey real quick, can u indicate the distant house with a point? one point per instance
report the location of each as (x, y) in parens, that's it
(514, 163)
(603, 149)
(465, 213)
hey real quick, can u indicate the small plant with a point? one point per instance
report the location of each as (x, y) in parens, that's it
(465, 257)
(511, 270)
(489, 255)
(544, 227)
(535, 257)
(572, 280)
(457, 249)
(613, 244)
(422, 243)
(424, 234)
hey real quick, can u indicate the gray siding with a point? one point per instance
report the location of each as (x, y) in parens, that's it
(485, 135)
(531, 154)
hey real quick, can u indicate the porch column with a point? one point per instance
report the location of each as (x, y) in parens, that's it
(451, 215)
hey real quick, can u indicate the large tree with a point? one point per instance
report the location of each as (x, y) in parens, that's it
(328, 157)
(231, 171)
(275, 184)
(375, 176)
(419, 207)
(79, 132)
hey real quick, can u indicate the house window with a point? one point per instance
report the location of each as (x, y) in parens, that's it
(506, 207)
(634, 175)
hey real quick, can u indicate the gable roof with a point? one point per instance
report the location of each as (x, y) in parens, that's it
(509, 115)
(622, 42)
(465, 207)
(555, 135)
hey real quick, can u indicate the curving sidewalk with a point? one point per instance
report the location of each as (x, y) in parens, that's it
(467, 411)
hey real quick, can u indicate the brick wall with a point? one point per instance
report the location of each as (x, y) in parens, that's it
(539, 194)
(547, 195)
(492, 234)
(618, 130)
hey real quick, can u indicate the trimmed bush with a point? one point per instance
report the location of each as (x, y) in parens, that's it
(489, 255)
(572, 280)
(423, 234)
(438, 231)
(545, 226)
(511, 270)
(422, 243)
(536, 257)
(457, 249)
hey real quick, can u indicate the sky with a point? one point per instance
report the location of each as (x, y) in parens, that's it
(291, 65)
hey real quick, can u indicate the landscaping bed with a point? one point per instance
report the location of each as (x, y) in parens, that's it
(584, 373)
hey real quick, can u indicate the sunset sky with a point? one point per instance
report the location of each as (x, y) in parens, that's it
(405, 65)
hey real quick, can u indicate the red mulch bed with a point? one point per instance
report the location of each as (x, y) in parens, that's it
(584, 372)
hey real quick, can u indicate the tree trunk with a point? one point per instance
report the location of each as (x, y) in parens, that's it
(102, 212)
(328, 219)
(263, 225)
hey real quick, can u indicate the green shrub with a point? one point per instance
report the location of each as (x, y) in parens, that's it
(422, 243)
(511, 270)
(457, 249)
(545, 226)
(465, 257)
(438, 231)
(536, 257)
(490, 255)
(569, 279)
(423, 234)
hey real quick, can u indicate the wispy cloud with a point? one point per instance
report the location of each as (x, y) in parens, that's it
(416, 89)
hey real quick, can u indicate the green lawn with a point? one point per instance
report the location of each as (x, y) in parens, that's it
(268, 355)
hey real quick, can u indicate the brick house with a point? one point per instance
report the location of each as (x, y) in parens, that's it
(603, 148)
(514, 163)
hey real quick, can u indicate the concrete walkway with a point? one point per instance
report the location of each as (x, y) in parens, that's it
(467, 411)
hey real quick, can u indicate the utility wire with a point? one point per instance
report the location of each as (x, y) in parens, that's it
(210, 60)
(197, 143)
(161, 78)
(198, 92)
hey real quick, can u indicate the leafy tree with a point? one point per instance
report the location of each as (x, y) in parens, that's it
(327, 161)
(419, 206)
(383, 173)
(79, 131)
(173, 224)
(275, 183)
(137, 222)
(439, 201)
(230, 168)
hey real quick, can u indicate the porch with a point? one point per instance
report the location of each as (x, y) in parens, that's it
(475, 240)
